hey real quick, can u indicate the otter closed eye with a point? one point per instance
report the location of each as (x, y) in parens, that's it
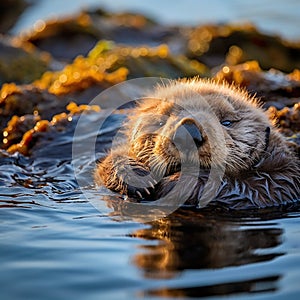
(226, 123)
(245, 167)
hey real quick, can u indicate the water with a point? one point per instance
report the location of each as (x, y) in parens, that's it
(73, 252)
(54, 244)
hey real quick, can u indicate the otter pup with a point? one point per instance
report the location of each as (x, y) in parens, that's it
(204, 142)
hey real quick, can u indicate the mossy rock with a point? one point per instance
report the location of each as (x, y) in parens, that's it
(21, 63)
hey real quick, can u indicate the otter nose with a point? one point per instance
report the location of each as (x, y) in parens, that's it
(187, 135)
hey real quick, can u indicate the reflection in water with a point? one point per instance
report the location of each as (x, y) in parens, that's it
(189, 240)
(267, 284)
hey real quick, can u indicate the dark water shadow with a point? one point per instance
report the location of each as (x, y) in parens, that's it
(189, 240)
(201, 241)
(259, 285)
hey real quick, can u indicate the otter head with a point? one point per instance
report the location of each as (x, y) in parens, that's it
(198, 122)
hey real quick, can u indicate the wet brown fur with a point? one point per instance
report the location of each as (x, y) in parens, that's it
(259, 168)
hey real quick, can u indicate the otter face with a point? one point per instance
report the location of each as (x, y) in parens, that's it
(198, 122)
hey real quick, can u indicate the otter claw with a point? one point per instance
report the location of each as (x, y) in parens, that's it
(147, 191)
(139, 194)
(151, 184)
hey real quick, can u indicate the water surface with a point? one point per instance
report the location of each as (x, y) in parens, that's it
(56, 245)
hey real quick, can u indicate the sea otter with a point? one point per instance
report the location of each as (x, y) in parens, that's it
(204, 142)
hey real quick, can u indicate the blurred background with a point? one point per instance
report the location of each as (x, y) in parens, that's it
(270, 16)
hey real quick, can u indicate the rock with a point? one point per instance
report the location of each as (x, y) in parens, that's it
(20, 62)
(215, 45)
(10, 10)
(273, 87)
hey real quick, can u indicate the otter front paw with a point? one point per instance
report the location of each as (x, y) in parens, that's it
(126, 176)
(136, 180)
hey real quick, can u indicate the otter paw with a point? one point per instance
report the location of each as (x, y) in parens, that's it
(138, 183)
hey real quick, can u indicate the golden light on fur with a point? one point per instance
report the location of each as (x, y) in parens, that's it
(206, 125)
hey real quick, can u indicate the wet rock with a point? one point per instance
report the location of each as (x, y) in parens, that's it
(212, 45)
(288, 119)
(273, 87)
(10, 10)
(20, 62)
(70, 36)
(23, 100)
(295, 143)
(43, 130)
(16, 128)
(215, 45)
(65, 38)
(107, 64)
